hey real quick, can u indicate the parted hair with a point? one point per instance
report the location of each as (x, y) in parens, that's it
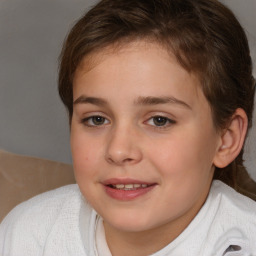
(204, 36)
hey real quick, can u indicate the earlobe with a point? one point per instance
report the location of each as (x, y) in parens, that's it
(232, 139)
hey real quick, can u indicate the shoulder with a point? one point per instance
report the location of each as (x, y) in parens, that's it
(31, 223)
(235, 214)
(50, 202)
(231, 199)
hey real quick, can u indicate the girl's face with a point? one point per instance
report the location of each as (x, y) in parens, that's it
(142, 138)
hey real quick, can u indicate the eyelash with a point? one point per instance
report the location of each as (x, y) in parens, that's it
(88, 121)
(167, 122)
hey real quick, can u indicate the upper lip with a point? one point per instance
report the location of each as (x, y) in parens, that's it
(115, 181)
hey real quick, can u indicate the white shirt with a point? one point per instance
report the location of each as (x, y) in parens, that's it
(61, 222)
(102, 248)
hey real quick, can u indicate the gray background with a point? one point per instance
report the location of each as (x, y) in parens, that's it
(33, 120)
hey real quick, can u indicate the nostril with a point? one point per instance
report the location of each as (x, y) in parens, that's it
(128, 160)
(121, 160)
(121, 156)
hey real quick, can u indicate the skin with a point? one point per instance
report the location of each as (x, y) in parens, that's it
(177, 156)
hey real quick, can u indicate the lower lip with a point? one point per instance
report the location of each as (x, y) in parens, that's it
(126, 195)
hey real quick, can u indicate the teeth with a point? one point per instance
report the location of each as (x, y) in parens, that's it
(119, 186)
(129, 186)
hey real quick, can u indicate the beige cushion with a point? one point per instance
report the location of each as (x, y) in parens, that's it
(22, 177)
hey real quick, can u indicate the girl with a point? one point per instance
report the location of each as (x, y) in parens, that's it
(160, 96)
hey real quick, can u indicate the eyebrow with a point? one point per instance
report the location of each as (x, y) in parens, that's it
(160, 100)
(149, 100)
(90, 100)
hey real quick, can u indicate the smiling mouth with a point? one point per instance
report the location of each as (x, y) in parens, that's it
(127, 190)
(128, 187)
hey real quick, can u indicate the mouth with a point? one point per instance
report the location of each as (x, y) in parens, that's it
(128, 187)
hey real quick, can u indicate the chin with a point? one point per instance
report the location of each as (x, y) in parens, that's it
(128, 222)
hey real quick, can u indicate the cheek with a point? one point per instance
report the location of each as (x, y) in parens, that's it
(85, 154)
(181, 157)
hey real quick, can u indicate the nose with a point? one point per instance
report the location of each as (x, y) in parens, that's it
(123, 147)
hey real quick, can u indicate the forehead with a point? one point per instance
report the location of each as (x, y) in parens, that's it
(147, 65)
(95, 57)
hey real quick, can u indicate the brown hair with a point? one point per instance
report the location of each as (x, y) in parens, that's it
(205, 37)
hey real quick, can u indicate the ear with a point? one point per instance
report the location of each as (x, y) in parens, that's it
(231, 139)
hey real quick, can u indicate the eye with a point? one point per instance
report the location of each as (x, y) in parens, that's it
(95, 121)
(160, 121)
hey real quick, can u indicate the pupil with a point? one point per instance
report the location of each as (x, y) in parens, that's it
(98, 120)
(159, 120)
